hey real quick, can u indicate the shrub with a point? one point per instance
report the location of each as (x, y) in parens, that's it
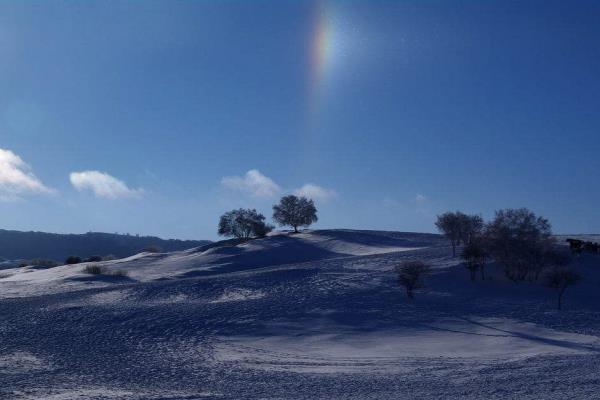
(94, 259)
(559, 279)
(243, 224)
(519, 240)
(262, 230)
(411, 274)
(73, 260)
(94, 269)
(152, 249)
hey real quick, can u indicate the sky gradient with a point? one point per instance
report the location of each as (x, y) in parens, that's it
(155, 117)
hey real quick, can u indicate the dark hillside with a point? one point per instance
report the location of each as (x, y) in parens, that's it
(28, 245)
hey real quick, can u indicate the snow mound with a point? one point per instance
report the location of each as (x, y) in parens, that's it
(275, 250)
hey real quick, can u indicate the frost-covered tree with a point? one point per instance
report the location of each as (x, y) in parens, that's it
(560, 279)
(411, 274)
(243, 224)
(295, 211)
(459, 227)
(519, 240)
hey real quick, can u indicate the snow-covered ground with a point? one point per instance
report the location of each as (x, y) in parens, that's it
(316, 315)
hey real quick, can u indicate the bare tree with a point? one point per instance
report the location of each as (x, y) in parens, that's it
(243, 224)
(475, 255)
(448, 224)
(411, 274)
(295, 211)
(471, 226)
(459, 227)
(518, 239)
(560, 279)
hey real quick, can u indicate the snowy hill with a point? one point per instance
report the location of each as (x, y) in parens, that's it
(316, 315)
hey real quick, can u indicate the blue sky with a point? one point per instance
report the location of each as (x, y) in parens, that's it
(156, 117)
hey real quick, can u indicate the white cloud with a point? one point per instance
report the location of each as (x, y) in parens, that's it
(103, 185)
(16, 179)
(253, 183)
(315, 192)
(420, 200)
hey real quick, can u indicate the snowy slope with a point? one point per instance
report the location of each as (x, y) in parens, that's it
(310, 316)
(278, 249)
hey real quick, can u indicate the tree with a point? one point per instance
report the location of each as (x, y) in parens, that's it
(471, 226)
(518, 239)
(410, 275)
(243, 224)
(475, 255)
(295, 211)
(547, 257)
(459, 227)
(560, 279)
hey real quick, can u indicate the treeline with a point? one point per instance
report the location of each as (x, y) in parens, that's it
(517, 240)
(40, 245)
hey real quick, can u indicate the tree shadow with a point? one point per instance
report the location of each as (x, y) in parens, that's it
(535, 338)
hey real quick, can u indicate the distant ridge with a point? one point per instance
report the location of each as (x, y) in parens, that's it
(28, 245)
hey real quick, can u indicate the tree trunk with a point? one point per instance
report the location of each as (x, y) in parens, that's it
(453, 249)
(295, 229)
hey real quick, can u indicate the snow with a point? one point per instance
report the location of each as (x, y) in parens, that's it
(317, 315)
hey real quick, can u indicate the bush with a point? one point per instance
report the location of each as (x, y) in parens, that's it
(411, 274)
(152, 249)
(243, 224)
(559, 279)
(520, 241)
(262, 230)
(73, 260)
(94, 259)
(94, 270)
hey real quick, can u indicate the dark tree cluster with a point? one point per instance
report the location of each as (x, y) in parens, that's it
(459, 227)
(245, 223)
(518, 240)
(578, 246)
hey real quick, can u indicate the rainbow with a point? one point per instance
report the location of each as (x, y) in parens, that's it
(320, 57)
